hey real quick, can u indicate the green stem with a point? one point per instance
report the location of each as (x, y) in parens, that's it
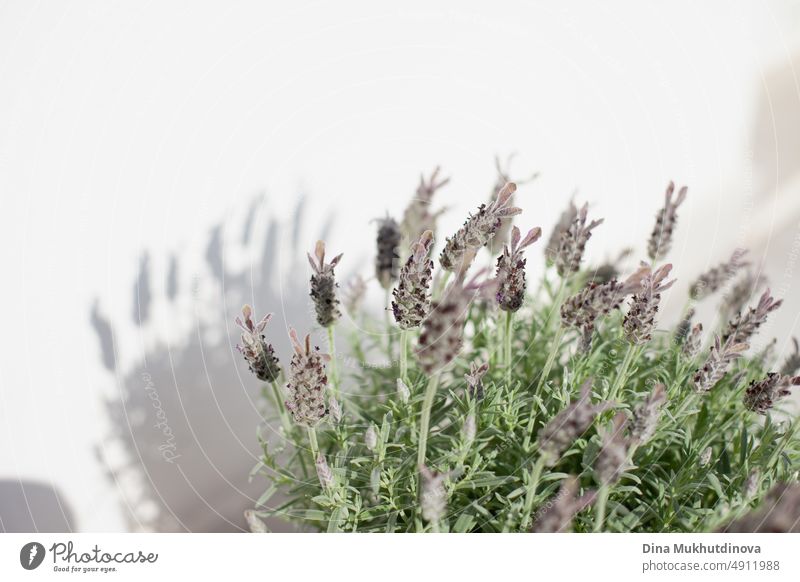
(313, 443)
(507, 339)
(281, 408)
(404, 355)
(623, 371)
(425, 420)
(530, 496)
(334, 364)
(600, 513)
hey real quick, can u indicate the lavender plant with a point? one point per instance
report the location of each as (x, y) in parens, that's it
(593, 414)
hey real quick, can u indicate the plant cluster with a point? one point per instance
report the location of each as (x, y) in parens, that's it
(566, 407)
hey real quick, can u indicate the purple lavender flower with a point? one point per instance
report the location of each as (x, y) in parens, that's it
(511, 270)
(640, 320)
(661, 237)
(646, 415)
(412, 301)
(716, 366)
(572, 243)
(612, 460)
(792, 363)
(323, 286)
(259, 354)
(418, 216)
(386, 259)
(762, 394)
(745, 326)
(557, 515)
(475, 379)
(308, 382)
(713, 279)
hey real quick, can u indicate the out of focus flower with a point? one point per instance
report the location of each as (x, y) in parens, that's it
(557, 515)
(717, 364)
(353, 294)
(566, 219)
(710, 281)
(475, 379)
(693, 341)
(386, 258)
(418, 216)
(572, 243)
(779, 513)
(324, 473)
(792, 363)
(661, 237)
(612, 460)
(433, 498)
(646, 415)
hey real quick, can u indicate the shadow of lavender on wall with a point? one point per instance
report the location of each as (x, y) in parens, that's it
(185, 420)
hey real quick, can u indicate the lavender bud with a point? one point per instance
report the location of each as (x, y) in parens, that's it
(761, 395)
(307, 384)
(412, 300)
(254, 522)
(744, 327)
(323, 286)
(511, 270)
(557, 515)
(433, 497)
(713, 279)
(792, 363)
(612, 460)
(324, 473)
(403, 391)
(475, 379)
(418, 216)
(259, 355)
(661, 238)
(478, 229)
(705, 456)
(572, 243)
(567, 426)
(371, 438)
(716, 366)
(388, 243)
(640, 320)
(646, 415)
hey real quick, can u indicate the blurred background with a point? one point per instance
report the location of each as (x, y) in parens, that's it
(159, 166)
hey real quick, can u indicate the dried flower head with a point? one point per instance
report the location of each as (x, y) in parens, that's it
(661, 237)
(646, 415)
(762, 394)
(558, 435)
(324, 473)
(307, 384)
(387, 257)
(716, 366)
(412, 300)
(478, 229)
(353, 294)
(418, 216)
(323, 286)
(710, 281)
(693, 341)
(565, 220)
(260, 355)
(475, 379)
(442, 334)
(745, 326)
(433, 496)
(503, 177)
(511, 270)
(612, 460)
(792, 363)
(582, 310)
(779, 513)
(557, 515)
(640, 320)
(572, 243)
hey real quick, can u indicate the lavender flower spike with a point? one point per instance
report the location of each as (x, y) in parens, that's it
(478, 229)
(564, 222)
(558, 435)
(761, 395)
(557, 516)
(572, 243)
(323, 286)
(511, 270)
(475, 379)
(640, 320)
(418, 216)
(260, 355)
(387, 257)
(744, 327)
(307, 384)
(433, 497)
(324, 473)
(717, 364)
(661, 237)
(412, 300)
(646, 415)
(612, 460)
(710, 281)
(792, 362)
(693, 341)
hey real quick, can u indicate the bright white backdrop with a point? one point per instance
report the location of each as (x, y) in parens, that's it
(130, 126)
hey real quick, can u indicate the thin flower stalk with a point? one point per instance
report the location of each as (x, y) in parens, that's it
(478, 229)
(744, 327)
(713, 279)
(660, 241)
(716, 365)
